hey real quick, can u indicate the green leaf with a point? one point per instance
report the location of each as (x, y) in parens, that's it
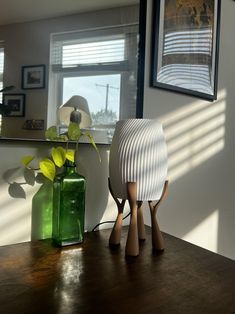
(51, 133)
(48, 168)
(74, 131)
(70, 154)
(58, 155)
(92, 142)
(26, 160)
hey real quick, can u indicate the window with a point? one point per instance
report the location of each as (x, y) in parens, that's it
(104, 101)
(99, 65)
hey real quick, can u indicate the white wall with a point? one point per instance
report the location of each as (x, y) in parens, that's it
(200, 138)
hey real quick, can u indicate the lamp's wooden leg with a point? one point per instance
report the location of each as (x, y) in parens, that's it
(157, 238)
(132, 243)
(115, 236)
(140, 220)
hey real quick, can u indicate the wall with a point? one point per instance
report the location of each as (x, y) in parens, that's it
(200, 137)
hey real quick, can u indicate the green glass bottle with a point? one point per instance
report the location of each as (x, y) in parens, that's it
(68, 206)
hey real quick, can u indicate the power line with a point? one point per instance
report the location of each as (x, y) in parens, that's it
(107, 86)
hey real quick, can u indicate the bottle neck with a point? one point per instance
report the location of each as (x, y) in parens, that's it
(70, 167)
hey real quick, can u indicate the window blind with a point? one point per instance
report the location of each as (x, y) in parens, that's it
(93, 52)
(97, 48)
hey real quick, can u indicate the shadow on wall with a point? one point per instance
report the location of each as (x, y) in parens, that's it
(41, 216)
(195, 134)
(15, 208)
(15, 189)
(96, 174)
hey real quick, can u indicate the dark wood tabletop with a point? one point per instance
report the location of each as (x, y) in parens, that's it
(36, 277)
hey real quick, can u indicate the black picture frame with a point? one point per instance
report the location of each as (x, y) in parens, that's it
(185, 47)
(141, 59)
(33, 76)
(15, 105)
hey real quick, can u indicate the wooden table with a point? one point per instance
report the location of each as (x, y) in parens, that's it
(38, 278)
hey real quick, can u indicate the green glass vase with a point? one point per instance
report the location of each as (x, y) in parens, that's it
(68, 207)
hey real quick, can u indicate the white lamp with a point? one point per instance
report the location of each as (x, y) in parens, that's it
(76, 109)
(138, 171)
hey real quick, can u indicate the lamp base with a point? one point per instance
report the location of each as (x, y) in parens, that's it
(76, 116)
(136, 230)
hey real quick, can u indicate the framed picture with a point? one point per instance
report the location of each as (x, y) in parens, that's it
(33, 76)
(185, 45)
(15, 105)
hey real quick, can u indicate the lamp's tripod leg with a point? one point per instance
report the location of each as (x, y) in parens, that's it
(132, 243)
(115, 236)
(157, 238)
(140, 220)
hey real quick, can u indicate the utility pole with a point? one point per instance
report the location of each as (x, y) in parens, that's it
(107, 86)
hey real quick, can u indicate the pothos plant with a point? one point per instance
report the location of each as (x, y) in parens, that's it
(59, 154)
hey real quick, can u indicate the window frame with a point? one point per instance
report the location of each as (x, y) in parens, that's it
(106, 68)
(140, 73)
(62, 76)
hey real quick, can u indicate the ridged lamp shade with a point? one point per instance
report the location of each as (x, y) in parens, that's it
(138, 154)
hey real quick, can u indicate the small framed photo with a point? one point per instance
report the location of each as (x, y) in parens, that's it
(15, 105)
(33, 76)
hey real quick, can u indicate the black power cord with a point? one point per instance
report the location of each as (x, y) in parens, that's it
(109, 222)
